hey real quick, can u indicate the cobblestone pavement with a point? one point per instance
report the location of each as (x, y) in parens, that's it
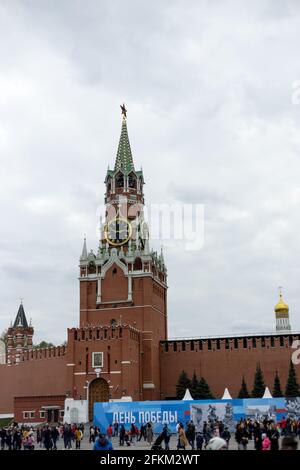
(141, 445)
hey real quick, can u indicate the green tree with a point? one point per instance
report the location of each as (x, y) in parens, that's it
(292, 386)
(277, 392)
(194, 387)
(203, 391)
(243, 393)
(182, 384)
(259, 383)
(42, 345)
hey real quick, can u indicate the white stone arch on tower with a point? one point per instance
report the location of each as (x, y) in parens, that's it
(114, 259)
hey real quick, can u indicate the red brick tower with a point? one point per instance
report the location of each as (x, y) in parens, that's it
(125, 282)
(19, 338)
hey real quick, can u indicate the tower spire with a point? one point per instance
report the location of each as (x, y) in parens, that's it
(84, 250)
(21, 318)
(124, 160)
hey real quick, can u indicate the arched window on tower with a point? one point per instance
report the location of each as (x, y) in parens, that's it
(108, 184)
(138, 264)
(132, 180)
(92, 267)
(120, 180)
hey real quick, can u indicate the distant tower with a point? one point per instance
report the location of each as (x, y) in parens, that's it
(19, 337)
(282, 315)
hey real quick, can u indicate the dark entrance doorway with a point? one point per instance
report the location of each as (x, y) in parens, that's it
(52, 415)
(98, 391)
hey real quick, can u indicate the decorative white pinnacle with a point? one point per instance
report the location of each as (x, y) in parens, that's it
(84, 250)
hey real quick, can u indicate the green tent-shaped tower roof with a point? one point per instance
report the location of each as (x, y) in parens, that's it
(124, 161)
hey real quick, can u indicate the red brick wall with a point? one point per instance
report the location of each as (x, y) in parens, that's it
(225, 367)
(45, 376)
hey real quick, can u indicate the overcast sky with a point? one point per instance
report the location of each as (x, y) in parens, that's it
(211, 119)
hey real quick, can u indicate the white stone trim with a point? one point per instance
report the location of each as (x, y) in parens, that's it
(93, 359)
(114, 259)
(148, 386)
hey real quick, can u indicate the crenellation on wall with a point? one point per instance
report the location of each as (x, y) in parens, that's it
(229, 344)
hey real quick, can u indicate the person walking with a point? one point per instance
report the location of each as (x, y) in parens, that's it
(199, 441)
(122, 435)
(182, 440)
(78, 438)
(226, 435)
(266, 443)
(257, 436)
(133, 433)
(143, 432)
(149, 433)
(109, 432)
(116, 429)
(191, 434)
(166, 435)
(54, 436)
(92, 434)
(274, 437)
(241, 437)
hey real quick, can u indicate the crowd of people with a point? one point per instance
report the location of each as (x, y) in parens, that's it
(15, 437)
(264, 435)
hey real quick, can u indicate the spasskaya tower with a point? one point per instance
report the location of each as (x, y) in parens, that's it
(124, 282)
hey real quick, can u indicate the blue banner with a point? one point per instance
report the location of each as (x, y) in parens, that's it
(172, 412)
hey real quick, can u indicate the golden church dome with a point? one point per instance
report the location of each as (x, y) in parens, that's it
(281, 306)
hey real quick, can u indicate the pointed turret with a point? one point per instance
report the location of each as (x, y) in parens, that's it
(84, 254)
(19, 337)
(124, 161)
(21, 318)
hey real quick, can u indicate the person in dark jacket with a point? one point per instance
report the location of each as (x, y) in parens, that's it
(122, 434)
(274, 437)
(191, 434)
(241, 436)
(47, 438)
(257, 436)
(166, 435)
(226, 435)
(199, 440)
(54, 436)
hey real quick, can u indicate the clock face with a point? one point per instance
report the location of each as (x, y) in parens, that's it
(118, 231)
